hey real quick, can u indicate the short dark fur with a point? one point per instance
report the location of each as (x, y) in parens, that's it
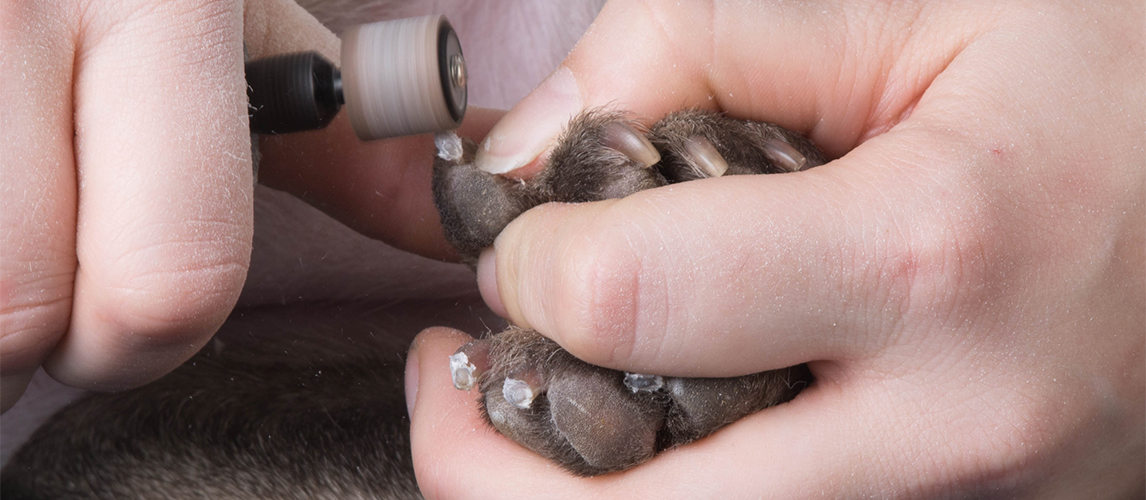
(583, 168)
(286, 403)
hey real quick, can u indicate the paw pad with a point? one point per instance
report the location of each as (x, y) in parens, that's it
(594, 420)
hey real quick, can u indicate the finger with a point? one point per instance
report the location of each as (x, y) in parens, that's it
(379, 188)
(38, 192)
(829, 263)
(446, 468)
(163, 164)
(803, 66)
(458, 455)
(783, 269)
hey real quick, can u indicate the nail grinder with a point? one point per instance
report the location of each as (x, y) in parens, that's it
(399, 77)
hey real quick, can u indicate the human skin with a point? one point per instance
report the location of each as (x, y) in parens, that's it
(127, 188)
(966, 279)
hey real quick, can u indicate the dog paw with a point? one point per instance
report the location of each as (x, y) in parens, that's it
(600, 156)
(603, 155)
(594, 420)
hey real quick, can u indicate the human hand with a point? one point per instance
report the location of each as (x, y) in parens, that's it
(966, 279)
(127, 190)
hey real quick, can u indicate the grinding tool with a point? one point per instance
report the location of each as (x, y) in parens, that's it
(399, 77)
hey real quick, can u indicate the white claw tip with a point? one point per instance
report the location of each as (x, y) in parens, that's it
(449, 145)
(517, 393)
(639, 382)
(462, 371)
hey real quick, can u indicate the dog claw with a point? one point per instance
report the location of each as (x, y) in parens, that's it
(468, 364)
(639, 382)
(522, 387)
(704, 157)
(449, 146)
(621, 137)
(785, 155)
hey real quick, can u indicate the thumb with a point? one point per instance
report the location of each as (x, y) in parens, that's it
(782, 269)
(797, 65)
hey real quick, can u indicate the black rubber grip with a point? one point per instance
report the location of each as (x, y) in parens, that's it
(292, 93)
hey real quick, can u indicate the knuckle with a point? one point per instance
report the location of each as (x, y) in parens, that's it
(164, 289)
(974, 245)
(599, 289)
(185, 34)
(34, 311)
(193, 15)
(944, 270)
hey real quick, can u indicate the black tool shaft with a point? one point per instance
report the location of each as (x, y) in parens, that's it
(292, 93)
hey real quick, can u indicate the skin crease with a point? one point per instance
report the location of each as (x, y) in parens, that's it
(90, 267)
(966, 279)
(152, 200)
(1017, 359)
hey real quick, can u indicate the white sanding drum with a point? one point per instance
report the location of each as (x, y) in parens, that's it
(403, 77)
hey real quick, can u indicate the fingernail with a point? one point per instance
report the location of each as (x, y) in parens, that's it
(411, 379)
(487, 282)
(532, 126)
